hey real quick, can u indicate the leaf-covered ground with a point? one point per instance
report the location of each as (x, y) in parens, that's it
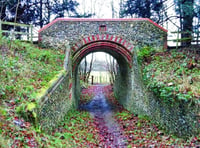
(141, 132)
(138, 130)
(80, 129)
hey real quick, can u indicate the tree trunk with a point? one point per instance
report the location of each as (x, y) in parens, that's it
(90, 68)
(111, 68)
(85, 70)
(18, 36)
(113, 10)
(48, 11)
(41, 17)
(147, 14)
(187, 22)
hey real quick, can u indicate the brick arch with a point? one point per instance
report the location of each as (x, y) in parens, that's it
(105, 42)
(102, 37)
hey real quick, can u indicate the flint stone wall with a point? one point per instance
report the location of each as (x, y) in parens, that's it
(54, 105)
(140, 32)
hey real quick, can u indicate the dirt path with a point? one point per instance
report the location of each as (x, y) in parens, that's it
(118, 128)
(111, 135)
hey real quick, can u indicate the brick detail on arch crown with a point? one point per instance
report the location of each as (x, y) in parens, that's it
(103, 37)
(106, 45)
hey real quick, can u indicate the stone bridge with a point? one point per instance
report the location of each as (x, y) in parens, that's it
(121, 38)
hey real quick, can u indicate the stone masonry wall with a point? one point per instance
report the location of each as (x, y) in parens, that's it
(140, 32)
(180, 118)
(54, 105)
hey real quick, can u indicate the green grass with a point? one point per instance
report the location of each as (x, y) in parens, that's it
(125, 115)
(24, 70)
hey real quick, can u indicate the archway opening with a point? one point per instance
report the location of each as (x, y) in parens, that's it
(122, 76)
(98, 68)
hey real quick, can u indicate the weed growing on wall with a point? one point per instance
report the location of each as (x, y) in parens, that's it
(144, 54)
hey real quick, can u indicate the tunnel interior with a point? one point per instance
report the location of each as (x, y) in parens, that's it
(121, 84)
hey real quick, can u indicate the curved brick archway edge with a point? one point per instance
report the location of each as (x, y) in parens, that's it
(88, 43)
(109, 43)
(103, 37)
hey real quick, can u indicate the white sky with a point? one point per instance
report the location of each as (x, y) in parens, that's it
(101, 8)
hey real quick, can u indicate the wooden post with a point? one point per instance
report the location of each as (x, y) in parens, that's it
(92, 80)
(28, 30)
(0, 26)
(100, 77)
(177, 39)
(31, 26)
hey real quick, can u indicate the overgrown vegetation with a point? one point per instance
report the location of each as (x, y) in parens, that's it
(141, 132)
(173, 75)
(86, 95)
(24, 70)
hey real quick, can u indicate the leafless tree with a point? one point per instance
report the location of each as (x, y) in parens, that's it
(85, 68)
(90, 68)
(111, 67)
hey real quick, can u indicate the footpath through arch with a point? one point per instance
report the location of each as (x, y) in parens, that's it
(121, 38)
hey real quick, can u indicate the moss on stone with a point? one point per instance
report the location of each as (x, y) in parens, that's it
(44, 91)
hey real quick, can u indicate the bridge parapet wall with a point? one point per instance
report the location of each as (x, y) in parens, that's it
(139, 32)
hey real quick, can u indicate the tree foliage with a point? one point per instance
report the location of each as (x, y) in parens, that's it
(26, 12)
(37, 12)
(185, 10)
(142, 8)
(65, 7)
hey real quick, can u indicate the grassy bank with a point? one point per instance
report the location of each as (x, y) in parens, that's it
(24, 70)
